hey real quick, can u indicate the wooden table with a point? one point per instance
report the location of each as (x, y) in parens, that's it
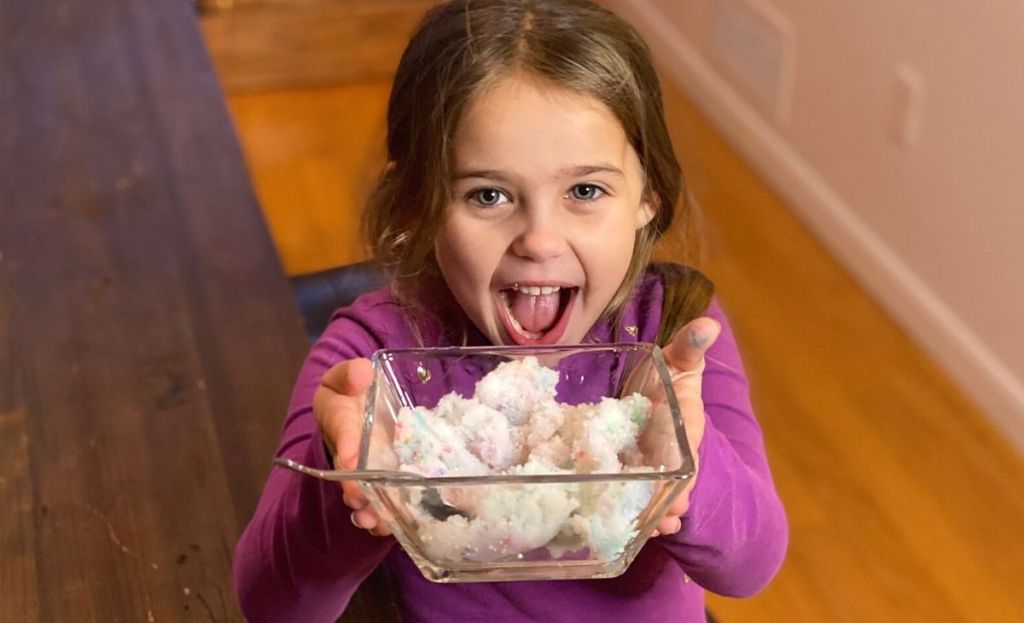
(148, 339)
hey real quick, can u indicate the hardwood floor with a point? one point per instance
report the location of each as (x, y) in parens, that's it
(313, 155)
(905, 504)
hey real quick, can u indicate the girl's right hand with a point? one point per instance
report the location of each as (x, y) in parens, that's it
(338, 406)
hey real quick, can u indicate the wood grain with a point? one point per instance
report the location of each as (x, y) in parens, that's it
(314, 155)
(151, 335)
(301, 43)
(904, 501)
(17, 523)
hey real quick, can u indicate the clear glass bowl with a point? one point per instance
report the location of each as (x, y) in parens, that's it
(583, 510)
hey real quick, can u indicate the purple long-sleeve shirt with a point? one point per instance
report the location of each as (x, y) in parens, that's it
(301, 559)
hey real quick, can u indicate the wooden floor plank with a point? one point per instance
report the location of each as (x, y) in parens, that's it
(314, 154)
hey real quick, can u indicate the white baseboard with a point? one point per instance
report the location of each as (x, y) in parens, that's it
(878, 268)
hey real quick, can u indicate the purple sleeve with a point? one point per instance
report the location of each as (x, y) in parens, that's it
(300, 558)
(734, 535)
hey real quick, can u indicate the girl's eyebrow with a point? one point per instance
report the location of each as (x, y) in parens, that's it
(587, 169)
(578, 171)
(484, 173)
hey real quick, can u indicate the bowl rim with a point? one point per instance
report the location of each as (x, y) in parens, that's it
(685, 471)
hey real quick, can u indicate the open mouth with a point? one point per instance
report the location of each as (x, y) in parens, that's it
(536, 315)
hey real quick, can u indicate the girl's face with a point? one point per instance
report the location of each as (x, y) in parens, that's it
(547, 197)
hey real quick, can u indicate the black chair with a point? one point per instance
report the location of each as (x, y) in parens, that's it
(319, 294)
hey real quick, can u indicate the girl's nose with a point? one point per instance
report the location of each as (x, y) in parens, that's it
(541, 239)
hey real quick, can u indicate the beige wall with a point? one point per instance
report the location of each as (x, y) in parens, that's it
(934, 228)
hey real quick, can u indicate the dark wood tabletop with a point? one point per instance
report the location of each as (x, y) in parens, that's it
(148, 338)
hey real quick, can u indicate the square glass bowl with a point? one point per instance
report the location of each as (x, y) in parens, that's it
(537, 478)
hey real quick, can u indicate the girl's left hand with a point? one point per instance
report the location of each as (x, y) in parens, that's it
(685, 358)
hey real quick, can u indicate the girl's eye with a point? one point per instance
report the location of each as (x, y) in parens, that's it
(585, 192)
(488, 196)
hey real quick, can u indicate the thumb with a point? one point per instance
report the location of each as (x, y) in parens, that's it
(349, 378)
(685, 352)
(338, 404)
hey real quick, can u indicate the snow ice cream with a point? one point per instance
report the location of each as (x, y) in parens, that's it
(513, 425)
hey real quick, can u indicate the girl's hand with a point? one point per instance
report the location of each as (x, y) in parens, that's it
(685, 358)
(338, 406)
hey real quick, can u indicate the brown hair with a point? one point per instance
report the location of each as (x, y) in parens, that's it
(460, 49)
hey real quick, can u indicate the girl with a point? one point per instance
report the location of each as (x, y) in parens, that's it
(530, 173)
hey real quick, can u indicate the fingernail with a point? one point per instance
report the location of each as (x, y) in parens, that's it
(356, 504)
(697, 337)
(352, 518)
(678, 526)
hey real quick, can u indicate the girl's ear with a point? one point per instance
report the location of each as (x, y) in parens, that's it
(645, 212)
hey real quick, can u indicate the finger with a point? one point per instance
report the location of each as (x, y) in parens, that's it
(353, 496)
(340, 419)
(367, 519)
(681, 504)
(349, 378)
(669, 525)
(686, 351)
(338, 405)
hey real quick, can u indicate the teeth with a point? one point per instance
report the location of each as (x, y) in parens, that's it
(536, 290)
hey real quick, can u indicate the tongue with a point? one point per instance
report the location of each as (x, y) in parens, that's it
(535, 313)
